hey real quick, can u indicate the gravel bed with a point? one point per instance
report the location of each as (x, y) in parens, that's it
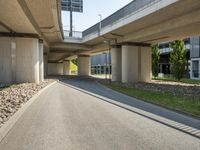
(178, 89)
(13, 97)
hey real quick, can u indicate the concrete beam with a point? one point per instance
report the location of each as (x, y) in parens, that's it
(169, 25)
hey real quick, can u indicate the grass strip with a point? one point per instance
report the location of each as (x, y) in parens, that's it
(184, 104)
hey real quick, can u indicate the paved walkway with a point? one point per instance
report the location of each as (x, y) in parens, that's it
(64, 118)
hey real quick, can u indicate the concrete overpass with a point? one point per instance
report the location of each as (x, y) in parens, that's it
(35, 26)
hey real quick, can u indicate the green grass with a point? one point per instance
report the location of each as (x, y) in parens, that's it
(184, 80)
(183, 104)
(13, 86)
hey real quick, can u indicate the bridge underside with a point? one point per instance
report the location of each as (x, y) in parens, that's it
(32, 36)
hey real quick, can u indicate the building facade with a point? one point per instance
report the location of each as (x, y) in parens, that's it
(195, 58)
(100, 64)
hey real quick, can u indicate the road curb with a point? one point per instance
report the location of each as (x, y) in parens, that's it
(11, 122)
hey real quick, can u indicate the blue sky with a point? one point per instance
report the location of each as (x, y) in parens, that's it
(91, 9)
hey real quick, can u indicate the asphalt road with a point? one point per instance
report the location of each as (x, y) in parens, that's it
(63, 118)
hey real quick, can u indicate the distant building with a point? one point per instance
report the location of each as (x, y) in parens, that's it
(164, 65)
(192, 46)
(100, 64)
(195, 58)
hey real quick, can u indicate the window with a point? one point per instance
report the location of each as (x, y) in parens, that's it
(195, 69)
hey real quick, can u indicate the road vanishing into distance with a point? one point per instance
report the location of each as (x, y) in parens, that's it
(65, 118)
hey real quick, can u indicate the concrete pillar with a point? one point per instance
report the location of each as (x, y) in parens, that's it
(5, 60)
(41, 61)
(66, 67)
(45, 64)
(55, 68)
(83, 65)
(116, 63)
(136, 64)
(146, 58)
(27, 58)
(19, 60)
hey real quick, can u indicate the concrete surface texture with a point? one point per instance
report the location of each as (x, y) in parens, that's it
(136, 64)
(64, 118)
(19, 60)
(66, 67)
(5, 60)
(84, 65)
(55, 69)
(41, 61)
(116, 64)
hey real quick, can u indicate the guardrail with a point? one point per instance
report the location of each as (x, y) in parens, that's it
(75, 34)
(123, 12)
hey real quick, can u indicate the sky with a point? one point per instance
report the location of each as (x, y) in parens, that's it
(91, 10)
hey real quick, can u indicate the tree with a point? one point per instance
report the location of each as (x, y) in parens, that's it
(155, 59)
(75, 61)
(178, 59)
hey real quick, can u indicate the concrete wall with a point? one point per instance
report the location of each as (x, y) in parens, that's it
(19, 60)
(84, 65)
(55, 69)
(116, 63)
(5, 60)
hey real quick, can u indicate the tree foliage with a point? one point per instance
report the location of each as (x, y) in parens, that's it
(155, 59)
(75, 61)
(178, 58)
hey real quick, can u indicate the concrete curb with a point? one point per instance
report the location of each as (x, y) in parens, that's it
(11, 122)
(175, 125)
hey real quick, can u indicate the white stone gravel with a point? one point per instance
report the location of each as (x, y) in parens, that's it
(13, 97)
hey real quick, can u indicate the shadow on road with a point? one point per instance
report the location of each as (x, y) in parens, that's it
(91, 85)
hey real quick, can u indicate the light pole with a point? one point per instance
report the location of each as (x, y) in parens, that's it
(71, 19)
(109, 59)
(100, 20)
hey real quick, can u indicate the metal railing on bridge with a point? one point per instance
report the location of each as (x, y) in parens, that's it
(134, 6)
(75, 34)
(130, 8)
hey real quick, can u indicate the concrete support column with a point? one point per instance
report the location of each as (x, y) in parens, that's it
(45, 64)
(83, 65)
(55, 68)
(136, 64)
(146, 58)
(19, 60)
(116, 63)
(66, 67)
(41, 61)
(27, 69)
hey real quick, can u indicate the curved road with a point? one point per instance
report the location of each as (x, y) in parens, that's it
(63, 118)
